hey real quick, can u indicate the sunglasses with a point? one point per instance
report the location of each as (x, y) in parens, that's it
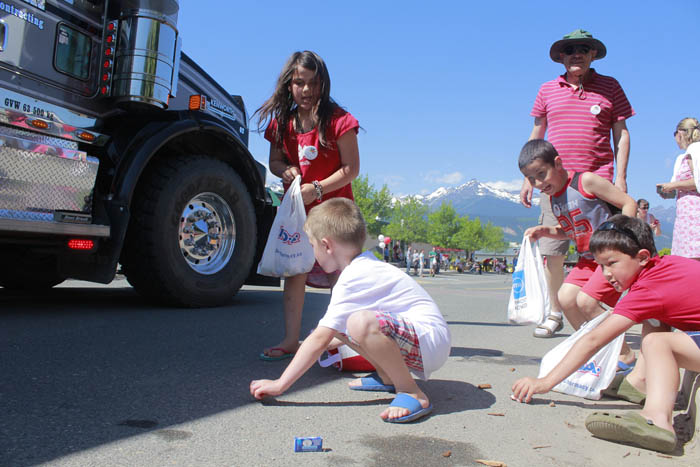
(643, 207)
(579, 49)
(676, 132)
(607, 226)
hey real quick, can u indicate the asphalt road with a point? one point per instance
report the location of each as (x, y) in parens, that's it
(91, 375)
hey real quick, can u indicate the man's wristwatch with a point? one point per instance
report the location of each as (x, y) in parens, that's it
(319, 190)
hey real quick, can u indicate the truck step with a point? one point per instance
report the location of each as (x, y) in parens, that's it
(54, 228)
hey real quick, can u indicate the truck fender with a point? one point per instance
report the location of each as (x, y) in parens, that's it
(154, 136)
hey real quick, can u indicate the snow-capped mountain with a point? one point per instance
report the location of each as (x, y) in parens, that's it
(472, 188)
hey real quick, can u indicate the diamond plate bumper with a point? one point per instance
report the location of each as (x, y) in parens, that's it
(38, 177)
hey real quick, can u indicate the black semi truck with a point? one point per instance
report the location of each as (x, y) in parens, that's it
(117, 148)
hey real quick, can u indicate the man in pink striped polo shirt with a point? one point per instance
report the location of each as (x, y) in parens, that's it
(578, 111)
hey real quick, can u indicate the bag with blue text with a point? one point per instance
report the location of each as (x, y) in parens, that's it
(596, 374)
(288, 251)
(529, 296)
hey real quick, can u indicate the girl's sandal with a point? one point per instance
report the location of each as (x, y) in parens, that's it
(551, 325)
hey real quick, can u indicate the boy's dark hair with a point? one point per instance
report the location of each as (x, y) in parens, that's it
(537, 149)
(625, 234)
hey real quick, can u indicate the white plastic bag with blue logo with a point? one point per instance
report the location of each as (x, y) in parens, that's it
(288, 251)
(529, 296)
(596, 374)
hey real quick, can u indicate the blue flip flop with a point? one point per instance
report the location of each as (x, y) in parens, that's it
(411, 403)
(623, 368)
(373, 382)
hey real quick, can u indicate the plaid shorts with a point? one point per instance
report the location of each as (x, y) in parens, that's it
(404, 334)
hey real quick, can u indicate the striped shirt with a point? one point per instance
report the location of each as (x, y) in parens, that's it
(579, 123)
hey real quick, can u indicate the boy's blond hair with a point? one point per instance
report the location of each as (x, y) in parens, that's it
(339, 219)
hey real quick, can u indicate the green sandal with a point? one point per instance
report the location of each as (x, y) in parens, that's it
(631, 427)
(625, 391)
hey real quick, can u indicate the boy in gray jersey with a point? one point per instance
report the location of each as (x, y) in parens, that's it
(581, 202)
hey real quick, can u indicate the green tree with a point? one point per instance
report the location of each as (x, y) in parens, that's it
(408, 221)
(443, 225)
(374, 204)
(664, 251)
(470, 235)
(493, 238)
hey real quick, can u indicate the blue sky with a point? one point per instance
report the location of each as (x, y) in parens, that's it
(443, 90)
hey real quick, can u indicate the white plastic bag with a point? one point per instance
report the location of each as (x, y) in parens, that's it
(288, 251)
(596, 374)
(529, 296)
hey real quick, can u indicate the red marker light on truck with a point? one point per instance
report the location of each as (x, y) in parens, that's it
(85, 136)
(39, 124)
(80, 244)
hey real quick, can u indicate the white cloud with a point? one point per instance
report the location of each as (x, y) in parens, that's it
(451, 178)
(513, 185)
(393, 181)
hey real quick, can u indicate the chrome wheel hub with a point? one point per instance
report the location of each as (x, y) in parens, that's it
(207, 233)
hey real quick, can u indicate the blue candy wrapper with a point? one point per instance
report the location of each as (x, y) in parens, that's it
(308, 444)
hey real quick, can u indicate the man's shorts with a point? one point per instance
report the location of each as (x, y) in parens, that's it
(550, 246)
(588, 275)
(404, 334)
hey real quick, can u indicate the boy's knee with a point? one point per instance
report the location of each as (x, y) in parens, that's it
(567, 299)
(361, 323)
(652, 341)
(588, 305)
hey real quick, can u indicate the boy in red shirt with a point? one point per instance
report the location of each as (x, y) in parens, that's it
(660, 288)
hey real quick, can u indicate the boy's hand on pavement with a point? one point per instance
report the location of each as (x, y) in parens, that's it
(260, 388)
(524, 388)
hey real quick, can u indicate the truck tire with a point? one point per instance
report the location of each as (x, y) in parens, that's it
(192, 233)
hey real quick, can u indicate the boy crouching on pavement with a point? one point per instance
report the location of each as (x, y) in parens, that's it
(581, 201)
(376, 309)
(660, 288)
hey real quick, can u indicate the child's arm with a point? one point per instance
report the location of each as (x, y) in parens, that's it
(348, 171)
(583, 349)
(606, 191)
(539, 231)
(312, 348)
(279, 166)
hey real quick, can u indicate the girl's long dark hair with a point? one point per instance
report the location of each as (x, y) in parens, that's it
(281, 106)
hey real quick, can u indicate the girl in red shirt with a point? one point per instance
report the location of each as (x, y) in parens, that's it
(310, 135)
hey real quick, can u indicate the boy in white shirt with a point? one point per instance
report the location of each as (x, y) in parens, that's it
(376, 309)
